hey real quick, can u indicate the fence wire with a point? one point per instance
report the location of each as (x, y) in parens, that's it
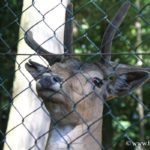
(126, 119)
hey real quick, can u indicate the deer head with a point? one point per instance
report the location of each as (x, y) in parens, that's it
(73, 91)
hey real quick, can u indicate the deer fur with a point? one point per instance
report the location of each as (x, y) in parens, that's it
(74, 92)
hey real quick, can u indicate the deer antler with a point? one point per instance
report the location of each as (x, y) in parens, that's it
(68, 29)
(50, 57)
(111, 31)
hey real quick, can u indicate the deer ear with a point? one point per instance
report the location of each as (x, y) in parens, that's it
(125, 83)
(35, 69)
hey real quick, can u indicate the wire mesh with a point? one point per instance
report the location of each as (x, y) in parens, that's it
(125, 119)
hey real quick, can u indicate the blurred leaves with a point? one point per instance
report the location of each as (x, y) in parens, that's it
(10, 11)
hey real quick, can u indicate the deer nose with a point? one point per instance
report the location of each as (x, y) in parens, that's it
(55, 79)
(52, 83)
(55, 83)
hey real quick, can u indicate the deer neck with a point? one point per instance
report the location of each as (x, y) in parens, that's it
(77, 137)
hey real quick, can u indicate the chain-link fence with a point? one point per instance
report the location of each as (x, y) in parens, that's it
(125, 119)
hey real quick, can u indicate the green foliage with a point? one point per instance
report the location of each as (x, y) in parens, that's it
(10, 12)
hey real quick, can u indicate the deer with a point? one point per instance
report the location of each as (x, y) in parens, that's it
(74, 92)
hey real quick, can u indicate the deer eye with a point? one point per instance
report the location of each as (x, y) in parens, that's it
(112, 78)
(97, 81)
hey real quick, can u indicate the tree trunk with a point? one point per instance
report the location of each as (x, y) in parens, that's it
(29, 121)
(140, 108)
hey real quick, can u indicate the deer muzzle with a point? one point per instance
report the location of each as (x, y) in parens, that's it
(49, 82)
